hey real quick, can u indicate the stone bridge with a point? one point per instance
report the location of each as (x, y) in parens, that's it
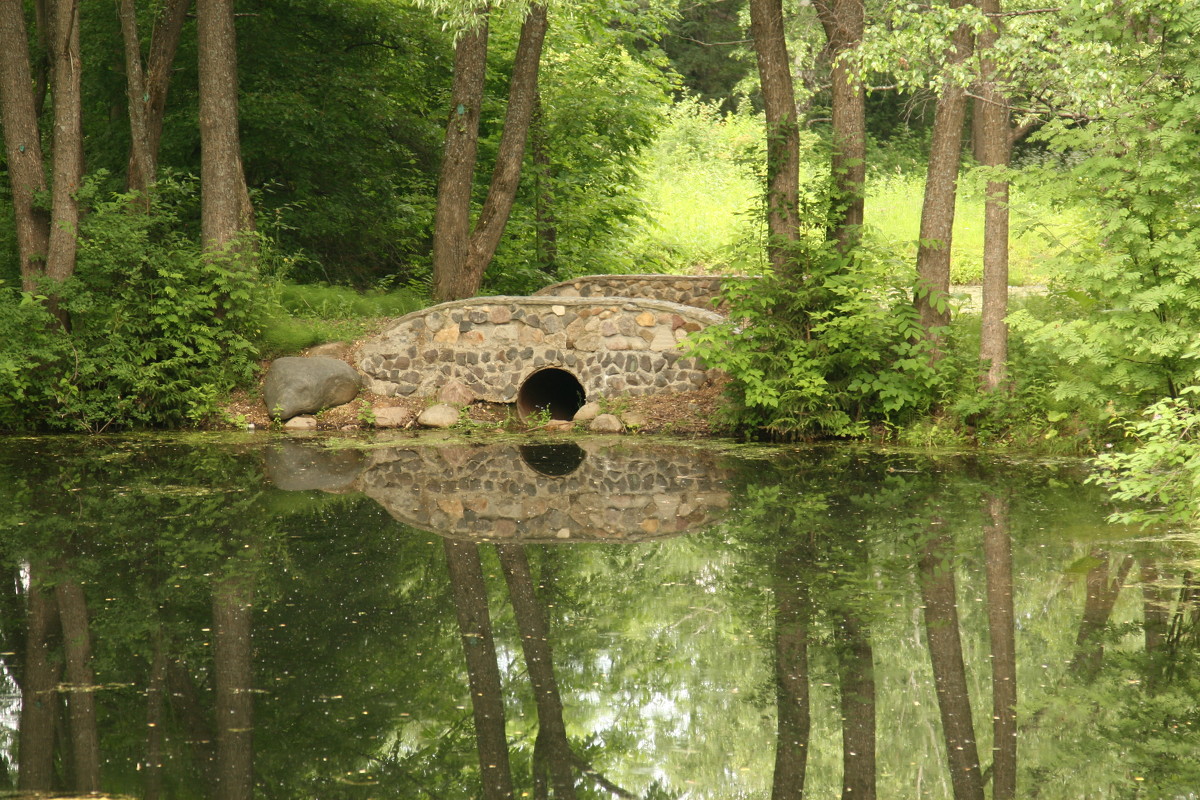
(700, 291)
(543, 352)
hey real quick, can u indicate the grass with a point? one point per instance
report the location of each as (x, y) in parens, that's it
(313, 314)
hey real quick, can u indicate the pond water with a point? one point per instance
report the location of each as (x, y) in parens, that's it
(425, 618)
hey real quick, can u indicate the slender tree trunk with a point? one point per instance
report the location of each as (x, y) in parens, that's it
(792, 616)
(843, 21)
(39, 692)
(506, 176)
(81, 682)
(487, 702)
(539, 662)
(938, 596)
(546, 222)
(941, 184)
(452, 216)
(993, 142)
(997, 550)
(233, 670)
(783, 134)
(22, 144)
(147, 86)
(1098, 606)
(225, 208)
(460, 254)
(67, 155)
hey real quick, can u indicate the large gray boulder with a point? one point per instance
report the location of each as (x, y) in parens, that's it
(307, 385)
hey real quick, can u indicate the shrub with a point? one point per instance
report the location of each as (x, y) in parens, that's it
(826, 355)
(159, 331)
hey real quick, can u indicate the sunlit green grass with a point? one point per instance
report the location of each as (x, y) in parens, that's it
(315, 314)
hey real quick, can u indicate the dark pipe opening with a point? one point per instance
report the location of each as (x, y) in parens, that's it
(553, 460)
(551, 389)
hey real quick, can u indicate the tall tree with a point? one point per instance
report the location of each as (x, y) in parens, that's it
(23, 145)
(793, 615)
(146, 82)
(461, 252)
(225, 207)
(39, 689)
(941, 186)
(994, 140)
(233, 672)
(843, 21)
(783, 132)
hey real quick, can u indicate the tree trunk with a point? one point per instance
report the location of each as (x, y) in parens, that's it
(460, 254)
(856, 672)
(941, 183)
(67, 157)
(81, 682)
(551, 739)
(147, 87)
(233, 671)
(1156, 621)
(39, 692)
(783, 134)
(22, 143)
(843, 21)
(483, 673)
(938, 596)
(792, 616)
(997, 551)
(993, 142)
(225, 208)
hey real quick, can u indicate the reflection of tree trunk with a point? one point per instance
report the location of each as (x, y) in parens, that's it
(1097, 609)
(39, 695)
(185, 704)
(154, 718)
(233, 670)
(997, 550)
(856, 670)
(1156, 620)
(949, 672)
(77, 646)
(474, 624)
(551, 748)
(792, 612)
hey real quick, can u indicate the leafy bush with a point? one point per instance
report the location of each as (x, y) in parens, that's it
(826, 355)
(1162, 472)
(159, 331)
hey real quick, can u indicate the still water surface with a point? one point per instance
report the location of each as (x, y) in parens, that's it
(278, 618)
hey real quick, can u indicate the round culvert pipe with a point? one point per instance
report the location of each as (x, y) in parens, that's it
(550, 389)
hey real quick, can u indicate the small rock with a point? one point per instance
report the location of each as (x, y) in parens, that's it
(455, 393)
(301, 424)
(439, 416)
(633, 419)
(330, 350)
(392, 417)
(587, 413)
(606, 423)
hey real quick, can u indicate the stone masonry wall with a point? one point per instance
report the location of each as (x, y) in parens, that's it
(492, 344)
(689, 290)
(491, 493)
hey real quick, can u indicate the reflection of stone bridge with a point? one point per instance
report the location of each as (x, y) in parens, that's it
(593, 337)
(543, 492)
